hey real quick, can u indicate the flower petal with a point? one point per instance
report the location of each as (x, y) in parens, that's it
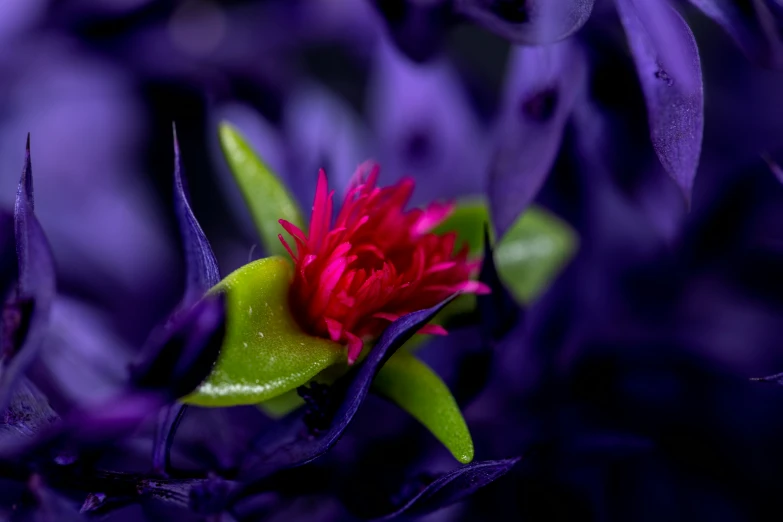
(36, 286)
(675, 97)
(288, 445)
(529, 22)
(542, 85)
(201, 266)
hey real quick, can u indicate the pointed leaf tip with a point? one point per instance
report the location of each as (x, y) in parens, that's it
(450, 488)
(265, 194)
(35, 287)
(202, 272)
(414, 387)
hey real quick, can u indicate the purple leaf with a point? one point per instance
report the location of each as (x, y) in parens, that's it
(417, 28)
(541, 87)
(181, 354)
(8, 263)
(529, 22)
(450, 487)
(292, 443)
(425, 127)
(675, 97)
(754, 30)
(201, 265)
(88, 428)
(169, 418)
(28, 414)
(184, 350)
(498, 310)
(35, 289)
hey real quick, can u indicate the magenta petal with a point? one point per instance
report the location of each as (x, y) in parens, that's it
(36, 285)
(675, 98)
(542, 85)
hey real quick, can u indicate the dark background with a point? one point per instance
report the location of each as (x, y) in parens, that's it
(628, 384)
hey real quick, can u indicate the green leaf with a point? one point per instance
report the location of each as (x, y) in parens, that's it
(265, 353)
(415, 388)
(528, 256)
(532, 252)
(265, 195)
(468, 221)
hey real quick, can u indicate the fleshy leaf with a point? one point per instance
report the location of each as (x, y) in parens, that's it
(201, 266)
(35, 289)
(267, 198)
(541, 87)
(449, 488)
(531, 22)
(532, 252)
(414, 387)
(289, 444)
(674, 97)
(753, 28)
(468, 220)
(265, 353)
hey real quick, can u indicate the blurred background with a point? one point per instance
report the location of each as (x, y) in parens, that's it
(643, 348)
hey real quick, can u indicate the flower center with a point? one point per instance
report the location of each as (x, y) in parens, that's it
(374, 263)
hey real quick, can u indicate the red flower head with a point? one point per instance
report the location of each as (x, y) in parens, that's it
(376, 263)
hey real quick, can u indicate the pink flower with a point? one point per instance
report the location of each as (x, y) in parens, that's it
(376, 263)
